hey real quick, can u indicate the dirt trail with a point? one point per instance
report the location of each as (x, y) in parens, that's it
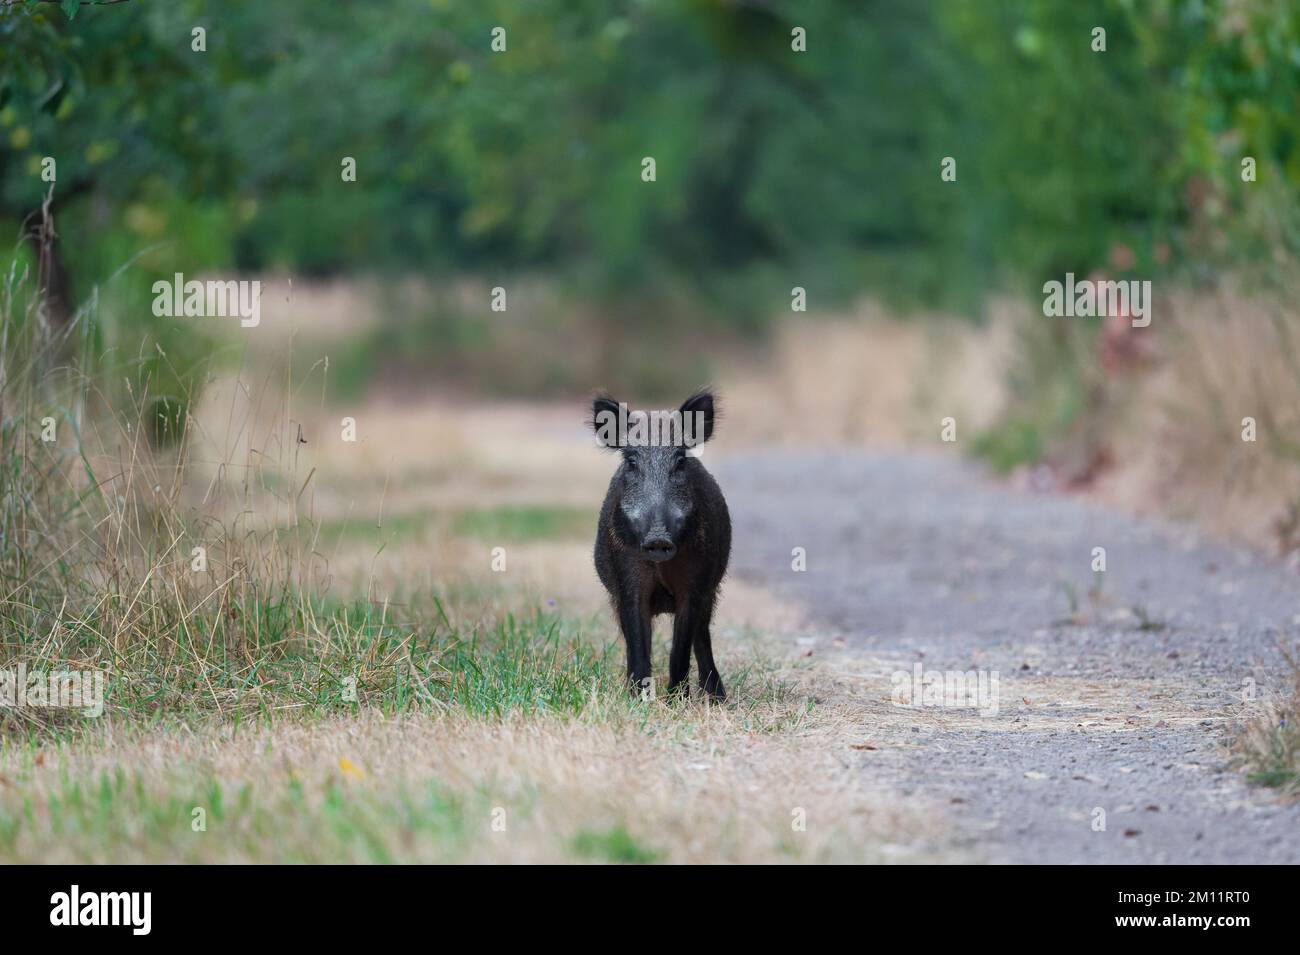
(1118, 700)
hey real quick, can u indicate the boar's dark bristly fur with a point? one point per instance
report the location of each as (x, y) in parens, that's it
(662, 545)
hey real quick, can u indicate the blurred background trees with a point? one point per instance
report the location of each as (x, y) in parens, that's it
(774, 168)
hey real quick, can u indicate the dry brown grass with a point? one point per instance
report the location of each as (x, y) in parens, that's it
(1225, 356)
(674, 782)
(699, 786)
(868, 379)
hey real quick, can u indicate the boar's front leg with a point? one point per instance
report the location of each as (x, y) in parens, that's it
(634, 620)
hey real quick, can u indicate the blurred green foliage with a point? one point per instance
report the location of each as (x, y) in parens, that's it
(774, 167)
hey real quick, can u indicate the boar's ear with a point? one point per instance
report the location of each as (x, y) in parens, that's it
(604, 420)
(698, 413)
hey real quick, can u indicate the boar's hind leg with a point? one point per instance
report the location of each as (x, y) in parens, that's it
(710, 680)
(679, 658)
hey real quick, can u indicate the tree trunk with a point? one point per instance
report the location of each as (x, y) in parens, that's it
(52, 278)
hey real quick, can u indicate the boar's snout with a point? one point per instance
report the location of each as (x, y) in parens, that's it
(658, 549)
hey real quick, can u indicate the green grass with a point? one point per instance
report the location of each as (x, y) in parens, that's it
(615, 844)
(1269, 745)
(1009, 445)
(328, 533)
(1276, 777)
(359, 657)
(120, 811)
(1274, 756)
(1052, 403)
(513, 523)
(510, 523)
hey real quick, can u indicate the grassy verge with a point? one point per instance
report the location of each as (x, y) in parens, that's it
(618, 781)
(518, 744)
(254, 710)
(1269, 745)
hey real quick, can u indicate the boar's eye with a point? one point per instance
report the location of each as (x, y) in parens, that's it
(679, 464)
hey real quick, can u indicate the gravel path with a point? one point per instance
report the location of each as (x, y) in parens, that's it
(1120, 701)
